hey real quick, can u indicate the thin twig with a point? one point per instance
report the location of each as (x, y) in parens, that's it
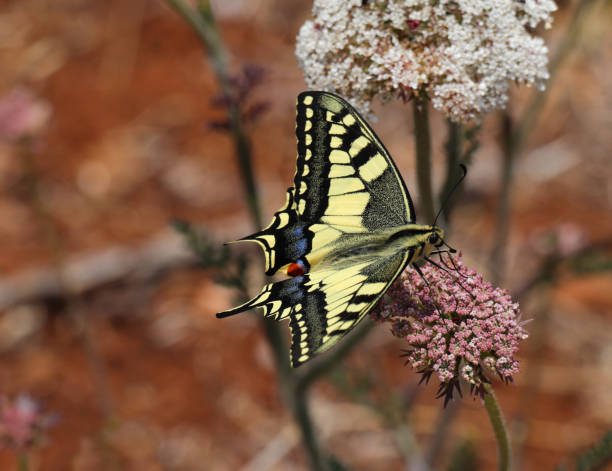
(22, 461)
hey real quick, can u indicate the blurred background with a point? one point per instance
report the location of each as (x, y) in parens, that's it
(108, 322)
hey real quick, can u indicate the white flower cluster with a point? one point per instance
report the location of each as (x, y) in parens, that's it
(460, 53)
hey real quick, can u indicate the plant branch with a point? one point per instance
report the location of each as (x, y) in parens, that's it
(497, 262)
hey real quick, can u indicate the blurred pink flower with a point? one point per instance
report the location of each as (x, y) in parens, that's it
(457, 327)
(21, 421)
(22, 114)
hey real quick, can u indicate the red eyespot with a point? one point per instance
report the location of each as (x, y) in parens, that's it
(295, 269)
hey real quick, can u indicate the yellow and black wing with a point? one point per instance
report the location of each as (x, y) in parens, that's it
(325, 304)
(346, 187)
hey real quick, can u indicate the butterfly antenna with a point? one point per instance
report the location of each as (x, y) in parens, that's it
(452, 260)
(436, 265)
(450, 193)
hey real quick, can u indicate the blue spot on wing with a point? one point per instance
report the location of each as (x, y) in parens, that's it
(301, 246)
(292, 290)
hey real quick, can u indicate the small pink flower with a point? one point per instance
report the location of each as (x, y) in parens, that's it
(457, 325)
(21, 114)
(413, 24)
(21, 421)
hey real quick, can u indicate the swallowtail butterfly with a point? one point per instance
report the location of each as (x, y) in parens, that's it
(345, 233)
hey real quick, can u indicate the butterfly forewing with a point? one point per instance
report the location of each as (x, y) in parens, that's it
(344, 174)
(346, 191)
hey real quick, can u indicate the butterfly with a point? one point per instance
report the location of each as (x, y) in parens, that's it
(345, 233)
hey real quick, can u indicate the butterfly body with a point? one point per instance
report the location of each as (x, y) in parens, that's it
(346, 231)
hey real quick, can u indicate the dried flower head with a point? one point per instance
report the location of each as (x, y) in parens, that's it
(457, 326)
(460, 53)
(22, 421)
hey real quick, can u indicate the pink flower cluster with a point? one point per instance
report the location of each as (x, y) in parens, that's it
(457, 325)
(21, 422)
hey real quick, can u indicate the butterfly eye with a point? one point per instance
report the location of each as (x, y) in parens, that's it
(434, 238)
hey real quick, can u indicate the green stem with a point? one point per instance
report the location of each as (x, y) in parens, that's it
(423, 156)
(22, 462)
(499, 428)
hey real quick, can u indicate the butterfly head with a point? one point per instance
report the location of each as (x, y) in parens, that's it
(434, 240)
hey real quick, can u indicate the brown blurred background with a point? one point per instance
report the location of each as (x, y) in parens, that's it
(129, 146)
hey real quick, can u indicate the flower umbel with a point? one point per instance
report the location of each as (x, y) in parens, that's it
(461, 53)
(457, 326)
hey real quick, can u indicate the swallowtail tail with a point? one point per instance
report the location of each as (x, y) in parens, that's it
(347, 229)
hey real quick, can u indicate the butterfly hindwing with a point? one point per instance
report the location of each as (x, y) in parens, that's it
(325, 304)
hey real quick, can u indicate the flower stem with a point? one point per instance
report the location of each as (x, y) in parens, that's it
(22, 462)
(499, 428)
(423, 156)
